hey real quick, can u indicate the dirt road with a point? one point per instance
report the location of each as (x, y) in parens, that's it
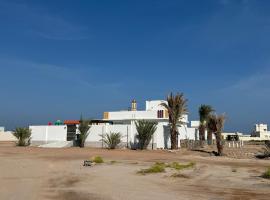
(36, 173)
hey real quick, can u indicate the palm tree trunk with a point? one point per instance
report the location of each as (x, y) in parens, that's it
(219, 144)
(174, 144)
(209, 137)
(201, 135)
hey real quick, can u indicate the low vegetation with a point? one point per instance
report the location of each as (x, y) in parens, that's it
(266, 174)
(159, 167)
(111, 140)
(97, 160)
(178, 166)
(23, 135)
(156, 168)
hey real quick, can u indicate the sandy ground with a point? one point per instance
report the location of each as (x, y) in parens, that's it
(37, 173)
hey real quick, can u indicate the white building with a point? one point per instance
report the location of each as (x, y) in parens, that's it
(2, 129)
(259, 133)
(123, 122)
(260, 130)
(155, 112)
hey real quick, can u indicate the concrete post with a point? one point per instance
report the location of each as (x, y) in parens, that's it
(46, 134)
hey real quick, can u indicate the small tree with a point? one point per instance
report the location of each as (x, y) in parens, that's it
(84, 132)
(23, 135)
(215, 125)
(112, 140)
(146, 130)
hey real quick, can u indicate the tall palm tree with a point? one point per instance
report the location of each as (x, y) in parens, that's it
(215, 124)
(177, 107)
(204, 112)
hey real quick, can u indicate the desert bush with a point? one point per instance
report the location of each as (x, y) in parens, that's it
(146, 130)
(156, 168)
(178, 166)
(97, 159)
(111, 140)
(23, 135)
(266, 174)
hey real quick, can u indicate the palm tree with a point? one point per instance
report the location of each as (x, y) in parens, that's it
(215, 124)
(23, 135)
(84, 131)
(176, 107)
(146, 130)
(204, 112)
(112, 140)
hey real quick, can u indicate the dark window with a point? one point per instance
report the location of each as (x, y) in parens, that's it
(160, 114)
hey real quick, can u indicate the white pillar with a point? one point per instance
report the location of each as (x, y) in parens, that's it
(233, 144)
(46, 134)
(229, 145)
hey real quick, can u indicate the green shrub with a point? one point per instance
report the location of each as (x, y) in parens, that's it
(112, 140)
(146, 130)
(84, 131)
(178, 166)
(97, 159)
(156, 168)
(266, 174)
(23, 135)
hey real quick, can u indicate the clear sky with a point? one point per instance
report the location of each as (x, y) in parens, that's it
(61, 58)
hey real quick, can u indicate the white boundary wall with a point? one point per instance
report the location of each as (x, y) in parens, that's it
(161, 138)
(46, 134)
(7, 137)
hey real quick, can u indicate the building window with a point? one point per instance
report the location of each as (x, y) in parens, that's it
(160, 114)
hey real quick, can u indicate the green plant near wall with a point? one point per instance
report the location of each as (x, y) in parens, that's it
(146, 130)
(111, 140)
(23, 135)
(84, 131)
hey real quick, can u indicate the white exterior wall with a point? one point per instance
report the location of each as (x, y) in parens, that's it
(96, 132)
(139, 115)
(7, 137)
(154, 105)
(161, 138)
(45, 134)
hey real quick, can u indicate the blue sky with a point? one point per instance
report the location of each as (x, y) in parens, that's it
(61, 58)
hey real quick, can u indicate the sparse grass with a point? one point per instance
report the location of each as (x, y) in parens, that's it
(160, 167)
(266, 174)
(178, 175)
(97, 159)
(156, 168)
(178, 166)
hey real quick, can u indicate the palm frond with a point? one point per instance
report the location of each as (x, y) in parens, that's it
(112, 140)
(146, 130)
